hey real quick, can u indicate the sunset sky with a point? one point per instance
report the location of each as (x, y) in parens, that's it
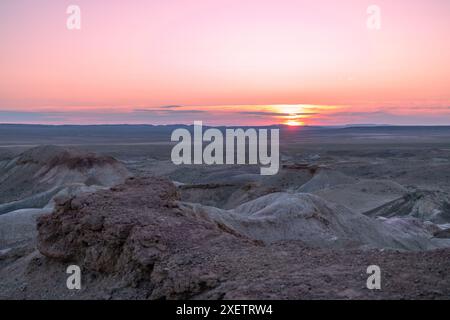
(225, 62)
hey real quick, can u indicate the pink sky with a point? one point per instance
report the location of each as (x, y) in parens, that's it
(225, 62)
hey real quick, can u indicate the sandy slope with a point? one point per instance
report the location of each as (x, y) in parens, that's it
(364, 195)
(35, 177)
(319, 223)
(31, 179)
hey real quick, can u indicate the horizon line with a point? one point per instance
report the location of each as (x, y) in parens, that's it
(362, 125)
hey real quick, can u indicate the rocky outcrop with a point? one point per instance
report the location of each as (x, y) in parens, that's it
(33, 178)
(326, 178)
(426, 205)
(319, 223)
(137, 241)
(363, 195)
(127, 230)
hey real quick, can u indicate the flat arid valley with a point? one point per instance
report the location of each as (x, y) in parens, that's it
(109, 200)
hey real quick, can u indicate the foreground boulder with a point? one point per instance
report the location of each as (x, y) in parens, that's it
(128, 230)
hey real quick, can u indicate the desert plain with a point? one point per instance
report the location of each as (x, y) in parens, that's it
(109, 200)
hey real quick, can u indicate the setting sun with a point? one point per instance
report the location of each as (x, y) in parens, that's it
(294, 123)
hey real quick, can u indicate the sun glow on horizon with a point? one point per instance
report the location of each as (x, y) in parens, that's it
(294, 114)
(294, 123)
